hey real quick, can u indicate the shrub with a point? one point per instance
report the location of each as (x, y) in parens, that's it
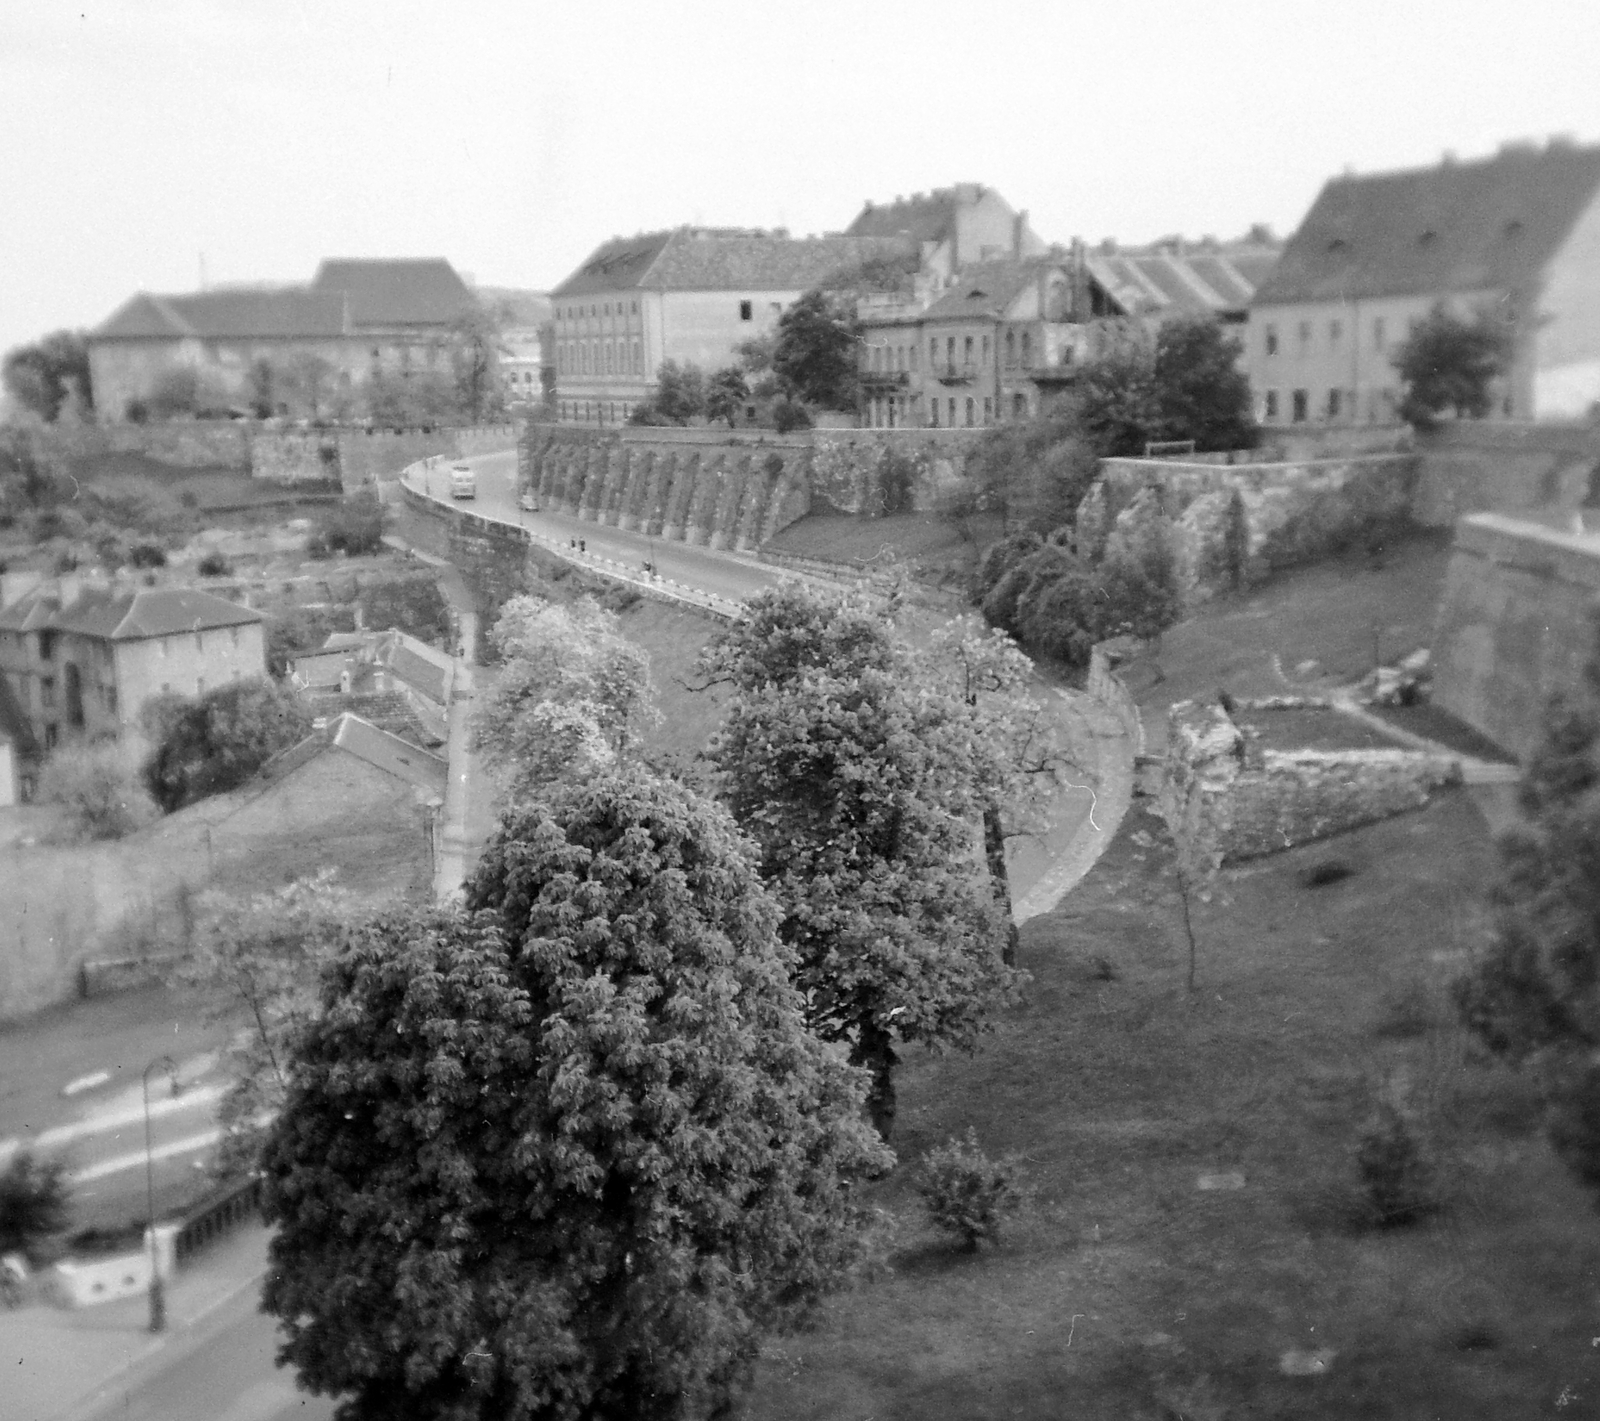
(789, 415)
(214, 565)
(967, 1193)
(147, 555)
(1001, 556)
(355, 527)
(101, 787)
(217, 742)
(1396, 1177)
(33, 1202)
(415, 605)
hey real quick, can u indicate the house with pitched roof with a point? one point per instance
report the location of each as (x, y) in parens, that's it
(690, 295)
(355, 318)
(1001, 337)
(81, 660)
(1516, 235)
(952, 228)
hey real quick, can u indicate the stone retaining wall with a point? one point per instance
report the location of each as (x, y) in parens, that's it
(1107, 687)
(1224, 805)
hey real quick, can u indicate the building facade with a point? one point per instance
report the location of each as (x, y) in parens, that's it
(1515, 236)
(952, 228)
(356, 319)
(691, 295)
(81, 662)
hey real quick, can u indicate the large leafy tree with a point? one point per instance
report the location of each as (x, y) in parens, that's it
(815, 356)
(1534, 996)
(726, 394)
(567, 1155)
(47, 375)
(573, 696)
(1450, 363)
(217, 741)
(861, 790)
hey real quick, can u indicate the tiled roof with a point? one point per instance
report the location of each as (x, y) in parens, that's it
(126, 615)
(985, 290)
(700, 259)
(282, 313)
(422, 674)
(389, 753)
(1157, 283)
(396, 292)
(1490, 224)
(926, 217)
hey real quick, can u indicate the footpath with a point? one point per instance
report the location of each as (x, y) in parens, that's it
(61, 1363)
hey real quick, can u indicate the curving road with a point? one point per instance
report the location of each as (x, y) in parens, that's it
(1042, 866)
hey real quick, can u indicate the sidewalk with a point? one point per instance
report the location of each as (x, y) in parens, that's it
(59, 1361)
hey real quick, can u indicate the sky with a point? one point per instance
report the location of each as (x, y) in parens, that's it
(155, 144)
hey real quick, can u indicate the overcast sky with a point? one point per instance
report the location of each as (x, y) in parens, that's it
(141, 138)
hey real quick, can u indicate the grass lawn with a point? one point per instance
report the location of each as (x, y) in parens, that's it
(211, 486)
(1127, 1291)
(1314, 730)
(933, 544)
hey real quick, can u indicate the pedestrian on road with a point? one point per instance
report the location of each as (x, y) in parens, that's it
(583, 546)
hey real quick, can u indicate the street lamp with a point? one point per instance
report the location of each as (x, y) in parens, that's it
(158, 1301)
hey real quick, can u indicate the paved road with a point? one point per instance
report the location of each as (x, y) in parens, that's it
(726, 574)
(222, 1372)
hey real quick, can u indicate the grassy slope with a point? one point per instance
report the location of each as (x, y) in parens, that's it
(1128, 1292)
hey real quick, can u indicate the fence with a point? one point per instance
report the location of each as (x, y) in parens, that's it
(213, 1217)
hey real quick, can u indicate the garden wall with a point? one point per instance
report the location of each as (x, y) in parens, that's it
(1225, 803)
(736, 488)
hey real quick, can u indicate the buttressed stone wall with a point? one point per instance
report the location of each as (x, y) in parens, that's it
(1515, 625)
(735, 489)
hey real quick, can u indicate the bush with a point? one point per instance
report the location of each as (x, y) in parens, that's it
(968, 1194)
(147, 555)
(789, 415)
(33, 1202)
(355, 527)
(214, 565)
(217, 742)
(101, 787)
(415, 605)
(1396, 1177)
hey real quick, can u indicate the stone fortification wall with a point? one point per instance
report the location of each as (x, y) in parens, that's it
(735, 489)
(186, 444)
(1108, 687)
(1515, 624)
(1228, 524)
(1485, 466)
(1225, 802)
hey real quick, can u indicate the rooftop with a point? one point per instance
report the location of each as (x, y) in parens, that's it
(123, 615)
(1489, 224)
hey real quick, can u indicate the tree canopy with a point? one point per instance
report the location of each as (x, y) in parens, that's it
(571, 1152)
(215, 742)
(726, 394)
(48, 375)
(1186, 384)
(1449, 363)
(860, 789)
(573, 695)
(815, 356)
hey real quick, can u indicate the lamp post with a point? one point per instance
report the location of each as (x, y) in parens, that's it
(158, 1301)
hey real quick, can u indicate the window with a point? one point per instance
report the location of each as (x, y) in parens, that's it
(952, 412)
(47, 691)
(1270, 409)
(933, 413)
(985, 355)
(52, 733)
(1335, 403)
(933, 353)
(1305, 336)
(970, 404)
(1027, 350)
(1011, 350)
(1019, 406)
(1377, 333)
(47, 646)
(111, 699)
(610, 358)
(1301, 406)
(915, 347)
(966, 353)
(638, 359)
(1335, 330)
(988, 409)
(746, 310)
(636, 308)
(1271, 340)
(950, 360)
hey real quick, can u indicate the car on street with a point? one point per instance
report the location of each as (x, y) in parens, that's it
(463, 482)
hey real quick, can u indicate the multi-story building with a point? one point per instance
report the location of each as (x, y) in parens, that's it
(1516, 235)
(1003, 336)
(692, 295)
(355, 319)
(952, 228)
(81, 661)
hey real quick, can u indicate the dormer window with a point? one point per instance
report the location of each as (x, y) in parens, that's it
(1513, 230)
(1428, 238)
(1338, 245)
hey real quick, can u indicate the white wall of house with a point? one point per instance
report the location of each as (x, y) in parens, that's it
(187, 664)
(1566, 340)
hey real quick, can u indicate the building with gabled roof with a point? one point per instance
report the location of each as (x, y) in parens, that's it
(356, 316)
(81, 660)
(952, 228)
(1516, 235)
(688, 294)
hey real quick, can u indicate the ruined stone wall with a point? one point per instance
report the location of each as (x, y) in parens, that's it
(1515, 624)
(1226, 804)
(735, 488)
(1232, 523)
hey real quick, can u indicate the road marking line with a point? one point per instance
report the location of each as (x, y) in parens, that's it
(114, 1119)
(187, 1146)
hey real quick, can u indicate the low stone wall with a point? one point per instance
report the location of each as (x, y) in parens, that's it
(1233, 524)
(1224, 804)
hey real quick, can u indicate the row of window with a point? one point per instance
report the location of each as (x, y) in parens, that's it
(1337, 404)
(1304, 334)
(594, 411)
(973, 350)
(596, 357)
(949, 412)
(602, 308)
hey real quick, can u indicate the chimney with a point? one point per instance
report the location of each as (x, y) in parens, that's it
(1448, 158)
(1019, 223)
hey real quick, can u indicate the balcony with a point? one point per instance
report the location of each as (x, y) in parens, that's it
(1051, 374)
(885, 378)
(955, 374)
